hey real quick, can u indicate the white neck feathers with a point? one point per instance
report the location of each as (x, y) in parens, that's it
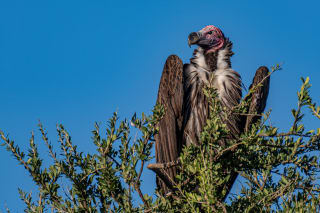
(221, 60)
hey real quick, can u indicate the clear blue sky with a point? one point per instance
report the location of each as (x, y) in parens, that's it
(75, 62)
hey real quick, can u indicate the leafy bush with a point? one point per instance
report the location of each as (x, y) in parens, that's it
(280, 169)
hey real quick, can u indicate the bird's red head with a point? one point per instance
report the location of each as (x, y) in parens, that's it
(210, 38)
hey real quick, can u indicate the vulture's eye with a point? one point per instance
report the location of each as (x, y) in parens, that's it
(210, 32)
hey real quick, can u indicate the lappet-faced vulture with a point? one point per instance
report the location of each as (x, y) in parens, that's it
(180, 92)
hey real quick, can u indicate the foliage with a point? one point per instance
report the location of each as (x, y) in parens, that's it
(279, 169)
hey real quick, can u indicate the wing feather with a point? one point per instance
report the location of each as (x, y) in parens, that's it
(260, 85)
(170, 95)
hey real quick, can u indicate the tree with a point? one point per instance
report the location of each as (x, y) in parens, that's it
(280, 169)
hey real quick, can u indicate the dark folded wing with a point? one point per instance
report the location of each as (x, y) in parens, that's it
(260, 87)
(170, 95)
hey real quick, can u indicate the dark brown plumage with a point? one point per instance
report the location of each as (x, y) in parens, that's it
(260, 86)
(170, 95)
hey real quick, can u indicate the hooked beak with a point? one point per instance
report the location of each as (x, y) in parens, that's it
(193, 38)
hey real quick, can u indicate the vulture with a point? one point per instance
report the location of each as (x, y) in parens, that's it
(187, 108)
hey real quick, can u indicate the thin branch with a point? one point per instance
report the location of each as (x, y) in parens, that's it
(142, 161)
(289, 134)
(137, 188)
(158, 167)
(163, 165)
(115, 161)
(253, 89)
(250, 114)
(14, 152)
(94, 171)
(45, 138)
(137, 182)
(222, 206)
(315, 113)
(40, 201)
(230, 148)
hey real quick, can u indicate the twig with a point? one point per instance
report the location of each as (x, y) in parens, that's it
(18, 157)
(115, 161)
(137, 188)
(289, 134)
(222, 206)
(137, 182)
(45, 138)
(259, 84)
(158, 167)
(170, 194)
(96, 170)
(40, 201)
(228, 149)
(315, 113)
(252, 114)
(252, 90)
(163, 165)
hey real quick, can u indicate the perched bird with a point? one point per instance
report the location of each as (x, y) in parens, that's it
(187, 108)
